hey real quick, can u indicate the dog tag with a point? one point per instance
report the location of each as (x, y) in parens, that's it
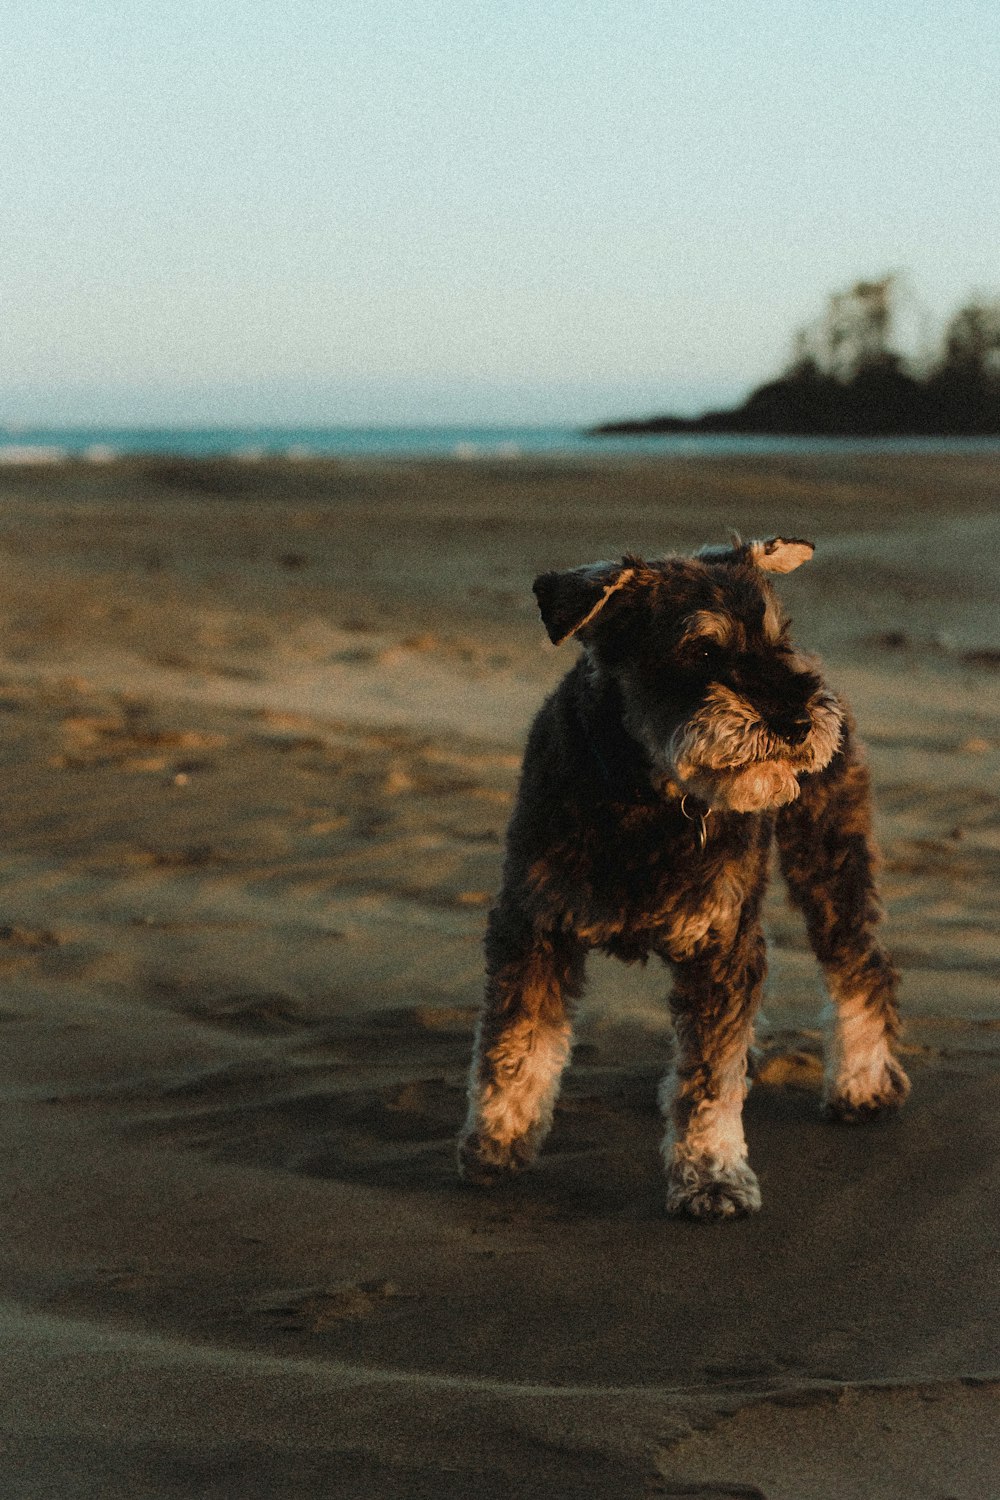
(701, 819)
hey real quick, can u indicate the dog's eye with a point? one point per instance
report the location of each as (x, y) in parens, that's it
(700, 655)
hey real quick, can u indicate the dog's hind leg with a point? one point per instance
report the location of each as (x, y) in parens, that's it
(828, 859)
(714, 1001)
(523, 1042)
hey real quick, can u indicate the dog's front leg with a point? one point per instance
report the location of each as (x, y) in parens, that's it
(828, 859)
(714, 1001)
(522, 1045)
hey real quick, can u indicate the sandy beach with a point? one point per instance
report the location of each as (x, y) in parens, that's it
(262, 726)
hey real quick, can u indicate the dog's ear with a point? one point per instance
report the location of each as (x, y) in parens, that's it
(569, 601)
(781, 554)
(778, 554)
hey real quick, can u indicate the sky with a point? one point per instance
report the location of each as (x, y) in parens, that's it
(387, 211)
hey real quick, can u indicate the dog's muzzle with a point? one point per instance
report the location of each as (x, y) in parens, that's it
(732, 759)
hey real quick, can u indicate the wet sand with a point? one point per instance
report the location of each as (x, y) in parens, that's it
(261, 733)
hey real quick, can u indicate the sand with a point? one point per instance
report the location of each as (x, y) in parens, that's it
(261, 733)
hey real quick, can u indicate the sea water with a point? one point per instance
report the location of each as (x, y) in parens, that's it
(105, 444)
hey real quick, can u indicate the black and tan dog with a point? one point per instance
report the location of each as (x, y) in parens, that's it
(688, 735)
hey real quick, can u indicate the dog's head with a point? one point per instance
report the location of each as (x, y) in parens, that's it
(712, 685)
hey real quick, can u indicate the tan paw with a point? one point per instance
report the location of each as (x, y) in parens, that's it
(485, 1162)
(854, 1101)
(702, 1188)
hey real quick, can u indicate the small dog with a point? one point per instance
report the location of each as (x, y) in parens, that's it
(689, 734)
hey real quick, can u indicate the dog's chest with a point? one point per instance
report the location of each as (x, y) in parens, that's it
(651, 892)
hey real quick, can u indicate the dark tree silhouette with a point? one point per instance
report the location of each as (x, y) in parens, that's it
(845, 378)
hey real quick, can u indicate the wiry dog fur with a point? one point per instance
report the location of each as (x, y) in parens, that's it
(689, 734)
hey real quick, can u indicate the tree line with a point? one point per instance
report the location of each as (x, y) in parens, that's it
(846, 378)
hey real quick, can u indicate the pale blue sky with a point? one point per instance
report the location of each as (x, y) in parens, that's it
(380, 210)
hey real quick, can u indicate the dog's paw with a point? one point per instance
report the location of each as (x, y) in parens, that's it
(853, 1101)
(485, 1162)
(703, 1188)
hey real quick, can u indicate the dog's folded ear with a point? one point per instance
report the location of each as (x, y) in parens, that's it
(569, 601)
(781, 554)
(778, 554)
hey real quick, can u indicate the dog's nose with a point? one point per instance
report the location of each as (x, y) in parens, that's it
(792, 728)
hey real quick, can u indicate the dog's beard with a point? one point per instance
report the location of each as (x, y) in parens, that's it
(756, 788)
(726, 755)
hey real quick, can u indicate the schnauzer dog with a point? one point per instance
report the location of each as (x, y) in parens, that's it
(689, 734)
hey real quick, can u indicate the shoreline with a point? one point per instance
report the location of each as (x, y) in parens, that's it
(31, 449)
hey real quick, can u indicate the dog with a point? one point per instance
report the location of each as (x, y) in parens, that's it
(690, 734)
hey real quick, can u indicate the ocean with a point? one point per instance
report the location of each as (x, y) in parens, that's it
(105, 444)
